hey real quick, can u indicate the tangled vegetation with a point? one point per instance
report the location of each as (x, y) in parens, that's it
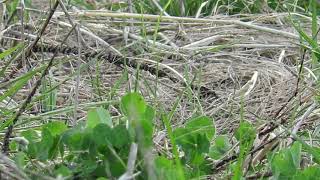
(159, 89)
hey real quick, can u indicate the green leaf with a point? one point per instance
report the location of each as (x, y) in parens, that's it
(97, 116)
(309, 173)
(313, 43)
(32, 136)
(122, 136)
(56, 127)
(16, 87)
(101, 178)
(63, 171)
(72, 138)
(13, 146)
(140, 116)
(295, 152)
(87, 167)
(286, 162)
(220, 147)
(44, 145)
(195, 138)
(133, 106)
(145, 128)
(149, 114)
(9, 51)
(314, 151)
(165, 169)
(246, 135)
(102, 134)
(48, 147)
(20, 160)
(12, 6)
(200, 125)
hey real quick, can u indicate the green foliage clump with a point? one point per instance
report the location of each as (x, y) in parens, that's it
(100, 148)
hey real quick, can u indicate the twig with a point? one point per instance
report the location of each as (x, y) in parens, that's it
(131, 162)
(233, 157)
(185, 19)
(160, 8)
(163, 36)
(18, 174)
(261, 175)
(77, 78)
(80, 44)
(139, 38)
(34, 43)
(304, 117)
(206, 41)
(63, 7)
(24, 105)
(97, 38)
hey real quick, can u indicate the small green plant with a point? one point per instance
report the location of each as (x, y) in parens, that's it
(286, 163)
(100, 148)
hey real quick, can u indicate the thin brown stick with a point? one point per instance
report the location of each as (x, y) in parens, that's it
(28, 50)
(260, 175)
(24, 105)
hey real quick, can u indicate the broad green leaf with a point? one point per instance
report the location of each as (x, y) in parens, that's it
(197, 148)
(220, 147)
(117, 168)
(149, 114)
(285, 163)
(140, 116)
(72, 138)
(45, 145)
(165, 169)
(53, 151)
(122, 136)
(282, 165)
(195, 138)
(97, 116)
(49, 145)
(63, 171)
(88, 142)
(56, 127)
(102, 134)
(31, 135)
(87, 166)
(199, 125)
(133, 106)
(145, 127)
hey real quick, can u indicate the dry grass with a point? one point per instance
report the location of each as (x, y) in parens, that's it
(218, 60)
